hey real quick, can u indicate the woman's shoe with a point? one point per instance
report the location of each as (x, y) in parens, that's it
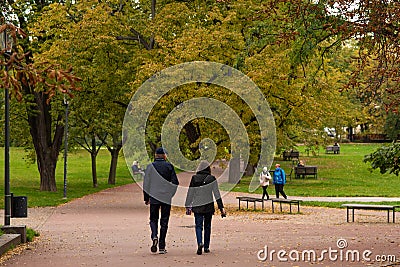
(206, 250)
(162, 251)
(200, 249)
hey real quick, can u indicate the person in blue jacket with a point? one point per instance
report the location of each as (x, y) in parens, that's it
(279, 181)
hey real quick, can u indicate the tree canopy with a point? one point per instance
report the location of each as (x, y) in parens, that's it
(316, 63)
(385, 158)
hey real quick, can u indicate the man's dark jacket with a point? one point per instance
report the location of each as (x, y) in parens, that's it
(160, 182)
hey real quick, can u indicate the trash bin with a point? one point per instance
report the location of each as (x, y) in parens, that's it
(19, 206)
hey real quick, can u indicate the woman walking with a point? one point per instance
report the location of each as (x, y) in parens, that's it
(265, 177)
(200, 200)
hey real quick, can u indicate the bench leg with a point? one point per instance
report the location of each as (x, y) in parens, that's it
(388, 216)
(394, 215)
(247, 205)
(239, 204)
(347, 214)
(353, 215)
(290, 207)
(254, 205)
(280, 205)
(272, 206)
(298, 207)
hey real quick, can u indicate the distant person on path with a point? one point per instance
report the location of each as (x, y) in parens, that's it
(136, 168)
(279, 181)
(199, 199)
(159, 186)
(265, 177)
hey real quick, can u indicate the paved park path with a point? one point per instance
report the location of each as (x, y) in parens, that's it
(110, 228)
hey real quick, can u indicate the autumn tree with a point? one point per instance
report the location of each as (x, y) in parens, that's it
(372, 26)
(385, 158)
(36, 85)
(181, 33)
(87, 41)
(132, 40)
(245, 35)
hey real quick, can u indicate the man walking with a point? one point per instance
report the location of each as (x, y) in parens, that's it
(279, 181)
(159, 186)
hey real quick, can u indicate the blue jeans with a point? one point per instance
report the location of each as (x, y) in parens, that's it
(203, 219)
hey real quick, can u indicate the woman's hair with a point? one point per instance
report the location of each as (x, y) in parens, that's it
(204, 166)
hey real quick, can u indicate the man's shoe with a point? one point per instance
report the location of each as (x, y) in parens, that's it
(154, 246)
(206, 250)
(200, 249)
(162, 251)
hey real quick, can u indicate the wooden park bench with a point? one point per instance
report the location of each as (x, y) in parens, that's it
(332, 149)
(303, 171)
(288, 201)
(354, 206)
(251, 199)
(289, 155)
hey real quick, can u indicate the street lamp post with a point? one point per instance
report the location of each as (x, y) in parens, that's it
(6, 43)
(65, 146)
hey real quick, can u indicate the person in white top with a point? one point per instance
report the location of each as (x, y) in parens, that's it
(265, 177)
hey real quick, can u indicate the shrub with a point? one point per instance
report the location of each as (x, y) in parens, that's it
(31, 234)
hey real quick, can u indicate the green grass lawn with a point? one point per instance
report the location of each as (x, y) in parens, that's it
(343, 174)
(25, 181)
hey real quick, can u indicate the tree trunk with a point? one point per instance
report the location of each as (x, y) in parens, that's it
(91, 147)
(249, 169)
(46, 148)
(193, 134)
(114, 151)
(113, 166)
(350, 136)
(47, 167)
(93, 155)
(234, 170)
